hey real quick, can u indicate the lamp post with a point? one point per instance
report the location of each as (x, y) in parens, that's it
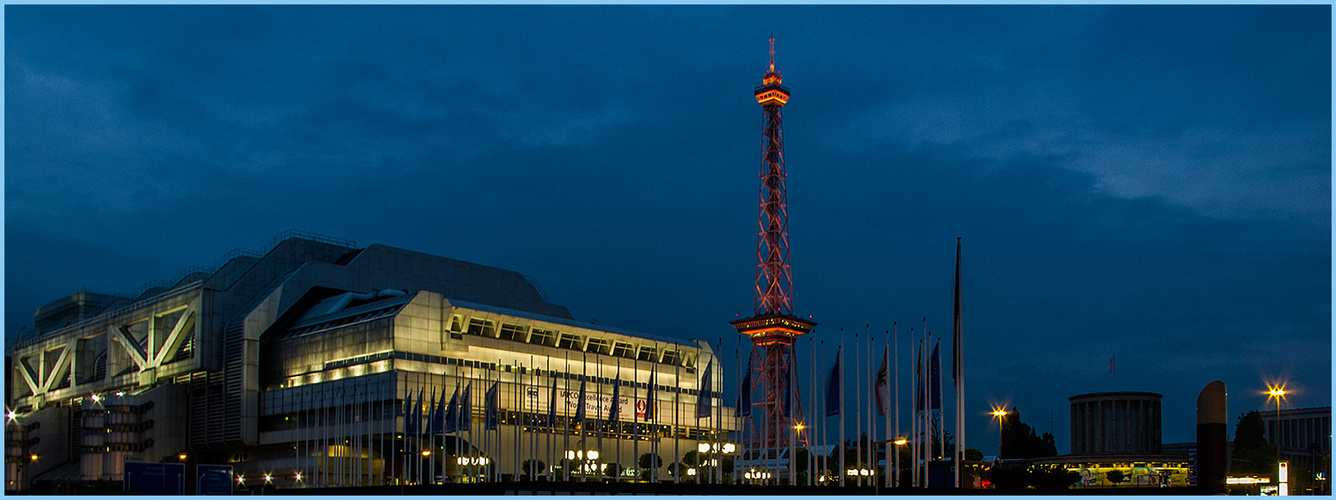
(999, 412)
(895, 479)
(1277, 392)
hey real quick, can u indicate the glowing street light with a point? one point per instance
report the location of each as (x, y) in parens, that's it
(999, 413)
(1277, 392)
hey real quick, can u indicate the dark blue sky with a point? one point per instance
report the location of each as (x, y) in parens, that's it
(1151, 181)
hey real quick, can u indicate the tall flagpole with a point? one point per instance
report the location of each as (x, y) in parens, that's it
(958, 375)
(677, 400)
(895, 339)
(858, 408)
(841, 472)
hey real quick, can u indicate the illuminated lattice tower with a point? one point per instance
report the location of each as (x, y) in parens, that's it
(775, 401)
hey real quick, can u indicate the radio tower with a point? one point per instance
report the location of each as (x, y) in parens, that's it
(773, 328)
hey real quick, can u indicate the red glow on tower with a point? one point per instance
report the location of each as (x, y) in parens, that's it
(773, 328)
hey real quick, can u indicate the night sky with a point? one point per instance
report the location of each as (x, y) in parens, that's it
(1148, 181)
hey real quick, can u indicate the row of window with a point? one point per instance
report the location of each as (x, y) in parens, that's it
(482, 365)
(564, 340)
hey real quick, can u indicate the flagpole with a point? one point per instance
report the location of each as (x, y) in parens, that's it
(914, 410)
(677, 399)
(957, 352)
(895, 339)
(823, 415)
(841, 472)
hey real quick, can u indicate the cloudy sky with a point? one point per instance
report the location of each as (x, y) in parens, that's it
(1153, 182)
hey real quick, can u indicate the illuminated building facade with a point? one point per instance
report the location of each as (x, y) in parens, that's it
(318, 363)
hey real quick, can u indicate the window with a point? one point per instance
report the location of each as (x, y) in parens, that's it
(669, 357)
(513, 332)
(540, 336)
(456, 323)
(571, 341)
(624, 350)
(648, 354)
(599, 346)
(483, 327)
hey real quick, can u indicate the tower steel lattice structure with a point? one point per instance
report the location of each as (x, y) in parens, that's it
(776, 410)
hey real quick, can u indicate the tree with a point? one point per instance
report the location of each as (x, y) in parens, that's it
(973, 454)
(613, 470)
(1252, 454)
(1047, 478)
(1019, 440)
(533, 464)
(649, 464)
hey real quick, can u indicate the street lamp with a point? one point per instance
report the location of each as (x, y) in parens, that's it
(999, 413)
(895, 478)
(1276, 391)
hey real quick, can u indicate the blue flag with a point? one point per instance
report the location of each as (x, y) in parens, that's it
(788, 391)
(936, 376)
(452, 412)
(438, 416)
(744, 392)
(615, 414)
(833, 387)
(431, 412)
(580, 405)
(703, 392)
(466, 409)
(417, 414)
(493, 409)
(408, 414)
(552, 405)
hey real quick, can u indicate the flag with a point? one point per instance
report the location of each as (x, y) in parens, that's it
(552, 404)
(452, 412)
(918, 378)
(615, 413)
(493, 410)
(703, 392)
(833, 387)
(466, 409)
(649, 399)
(417, 414)
(935, 374)
(744, 393)
(431, 412)
(956, 327)
(1111, 362)
(883, 386)
(580, 405)
(438, 417)
(408, 414)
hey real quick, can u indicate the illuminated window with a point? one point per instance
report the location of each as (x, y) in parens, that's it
(482, 327)
(599, 346)
(539, 336)
(648, 354)
(624, 350)
(571, 341)
(513, 332)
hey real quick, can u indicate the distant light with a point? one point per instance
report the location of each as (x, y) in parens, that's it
(96, 398)
(703, 447)
(729, 448)
(299, 476)
(901, 441)
(33, 457)
(267, 478)
(593, 454)
(691, 472)
(426, 453)
(120, 394)
(11, 415)
(182, 457)
(799, 426)
(241, 479)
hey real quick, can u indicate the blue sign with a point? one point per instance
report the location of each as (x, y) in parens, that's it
(155, 479)
(213, 479)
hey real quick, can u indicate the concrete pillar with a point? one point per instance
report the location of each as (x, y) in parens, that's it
(1212, 441)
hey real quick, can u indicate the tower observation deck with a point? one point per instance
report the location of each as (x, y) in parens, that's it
(773, 392)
